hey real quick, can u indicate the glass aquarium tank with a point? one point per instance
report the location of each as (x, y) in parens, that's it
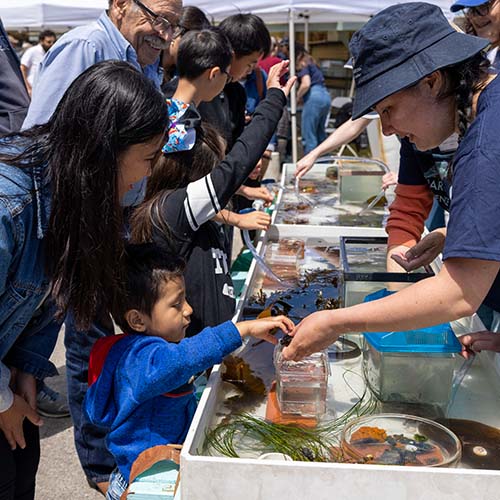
(358, 182)
(309, 270)
(332, 194)
(363, 261)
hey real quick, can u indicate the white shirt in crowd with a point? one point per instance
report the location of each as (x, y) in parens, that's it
(32, 59)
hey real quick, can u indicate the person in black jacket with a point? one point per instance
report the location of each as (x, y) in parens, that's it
(188, 188)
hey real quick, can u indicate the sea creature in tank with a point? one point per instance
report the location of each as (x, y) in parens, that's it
(300, 206)
(238, 372)
(316, 290)
(252, 390)
(374, 445)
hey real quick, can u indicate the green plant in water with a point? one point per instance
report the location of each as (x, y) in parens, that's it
(303, 444)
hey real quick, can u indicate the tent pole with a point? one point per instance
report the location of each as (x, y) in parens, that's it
(306, 32)
(293, 93)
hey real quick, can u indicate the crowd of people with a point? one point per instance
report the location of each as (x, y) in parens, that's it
(123, 144)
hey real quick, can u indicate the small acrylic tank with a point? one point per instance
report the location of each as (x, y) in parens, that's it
(302, 385)
(363, 261)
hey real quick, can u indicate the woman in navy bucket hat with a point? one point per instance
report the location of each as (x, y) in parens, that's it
(428, 81)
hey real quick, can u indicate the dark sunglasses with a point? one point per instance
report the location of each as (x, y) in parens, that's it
(159, 23)
(480, 10)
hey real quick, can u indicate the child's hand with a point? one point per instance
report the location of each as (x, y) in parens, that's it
(256, 193)
(479, 341)
(262, 328)
(254, 220)
(275, 73)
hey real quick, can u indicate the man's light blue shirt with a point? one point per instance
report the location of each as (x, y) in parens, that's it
(71, 55)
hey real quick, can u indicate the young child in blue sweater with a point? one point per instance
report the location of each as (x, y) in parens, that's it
(140, 383)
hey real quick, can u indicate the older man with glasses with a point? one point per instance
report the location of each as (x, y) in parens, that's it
(483, 19)
(134, 31)
(131, 30)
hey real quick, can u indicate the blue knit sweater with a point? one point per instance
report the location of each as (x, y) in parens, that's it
(128, 397)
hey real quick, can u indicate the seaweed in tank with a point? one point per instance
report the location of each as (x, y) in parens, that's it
(316, 290)
(245, 434)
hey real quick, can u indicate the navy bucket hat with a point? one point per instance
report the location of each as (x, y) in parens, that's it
(401, 45)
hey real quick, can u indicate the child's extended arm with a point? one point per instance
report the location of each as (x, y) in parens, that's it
(153, 366)
(251, 221)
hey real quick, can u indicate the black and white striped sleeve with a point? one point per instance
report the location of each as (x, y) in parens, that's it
(201, 202)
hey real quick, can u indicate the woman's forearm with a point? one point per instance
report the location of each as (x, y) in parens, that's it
(345, 134)
(450, 295)
(303, 90)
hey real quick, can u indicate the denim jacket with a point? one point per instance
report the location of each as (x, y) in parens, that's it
(27, 331)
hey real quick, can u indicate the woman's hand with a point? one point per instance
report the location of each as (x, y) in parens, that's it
(275, 73)
(305, 164)
(312, 334)
(263, 328)
(424, 252)
(479, 341)
(11, 421)
(253, 221)
(392, 263)
(389, 179)
(24, 406)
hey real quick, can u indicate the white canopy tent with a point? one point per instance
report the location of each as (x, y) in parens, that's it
(55, 14)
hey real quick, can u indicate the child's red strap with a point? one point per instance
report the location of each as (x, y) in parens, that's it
(99, 354)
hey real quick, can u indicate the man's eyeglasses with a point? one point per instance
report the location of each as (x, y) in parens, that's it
(159, 23)
(179, 31)
(480, 10)
(229, 78)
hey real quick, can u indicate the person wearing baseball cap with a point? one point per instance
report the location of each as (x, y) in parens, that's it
(482, 19)
(427, 81)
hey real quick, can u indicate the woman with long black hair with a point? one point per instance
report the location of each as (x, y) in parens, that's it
(61, 235)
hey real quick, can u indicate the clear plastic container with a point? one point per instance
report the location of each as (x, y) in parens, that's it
(301, 386)
(415, 366)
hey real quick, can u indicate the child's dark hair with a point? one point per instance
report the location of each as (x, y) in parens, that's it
(147, 268)
(174, 171)
(247, 33)
(202, 50)
(192, 18)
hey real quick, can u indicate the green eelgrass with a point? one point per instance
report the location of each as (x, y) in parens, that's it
(258, 435)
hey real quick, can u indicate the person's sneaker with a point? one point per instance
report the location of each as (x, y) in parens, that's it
(51, 404)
